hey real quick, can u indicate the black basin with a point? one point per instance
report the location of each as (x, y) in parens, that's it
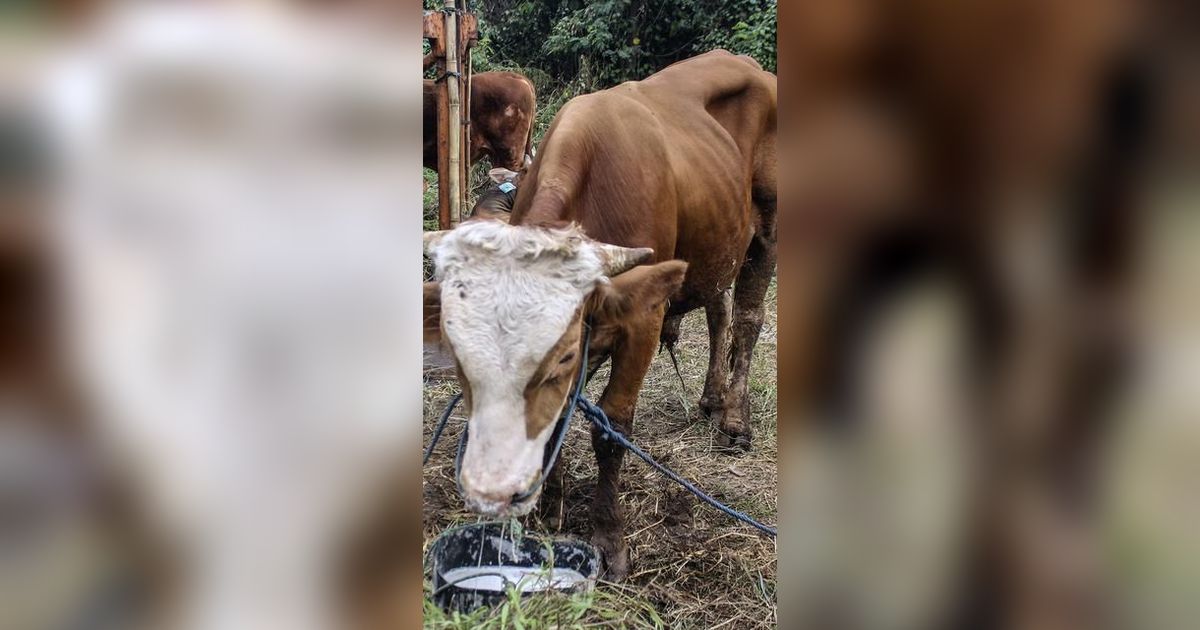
(473, 565)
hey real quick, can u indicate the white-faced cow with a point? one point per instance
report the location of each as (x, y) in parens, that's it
(677, 171)
(234, 265)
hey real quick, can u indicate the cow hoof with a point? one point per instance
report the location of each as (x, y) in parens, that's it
(733, 441)
(733, 433)
(614, 555)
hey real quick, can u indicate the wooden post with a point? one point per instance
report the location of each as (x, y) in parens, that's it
(468, 33)
(451, 86)
(451, 33)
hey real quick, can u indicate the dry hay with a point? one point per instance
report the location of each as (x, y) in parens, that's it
(691, 566)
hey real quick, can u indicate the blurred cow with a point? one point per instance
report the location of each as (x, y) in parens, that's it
(998, 142)
(234, 268)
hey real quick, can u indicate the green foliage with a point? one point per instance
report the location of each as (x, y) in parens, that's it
(600, 43)
(608, 607)
(573, 47)
(753, 34)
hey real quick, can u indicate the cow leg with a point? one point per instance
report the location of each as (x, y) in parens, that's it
(1050, 364)
(630, 361)
(1029, 546)
(733, 418)
(1060, 361)
(719, 314)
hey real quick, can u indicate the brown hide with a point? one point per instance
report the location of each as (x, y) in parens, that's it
(953, 135)
(31, 367)
(502, 109)
(683, 163)
(668, 163)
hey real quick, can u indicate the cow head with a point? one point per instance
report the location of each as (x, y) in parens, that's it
(234, 263)
(510, 304)
(502, 133)
(502, 175)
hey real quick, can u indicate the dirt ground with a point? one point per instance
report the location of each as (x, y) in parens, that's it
(692, 567)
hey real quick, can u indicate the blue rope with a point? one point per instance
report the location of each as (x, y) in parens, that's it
(441, 426)
(600, 419)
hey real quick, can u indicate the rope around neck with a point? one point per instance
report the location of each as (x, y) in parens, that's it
(602, 423)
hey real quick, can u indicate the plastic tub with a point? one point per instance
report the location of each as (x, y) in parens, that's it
(474, 565)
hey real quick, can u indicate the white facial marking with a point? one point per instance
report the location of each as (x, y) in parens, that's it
(508, 295)
(236, 243)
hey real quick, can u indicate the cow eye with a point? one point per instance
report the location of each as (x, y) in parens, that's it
(565, 359)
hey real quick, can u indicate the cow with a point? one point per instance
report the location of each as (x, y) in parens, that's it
(497, 201)
(244, 345)
(503, 105)
(646, 200)
(923, 141)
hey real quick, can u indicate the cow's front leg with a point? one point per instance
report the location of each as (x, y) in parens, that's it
(631, 360)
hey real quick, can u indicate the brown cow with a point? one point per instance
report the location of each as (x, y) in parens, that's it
(502, 109)
(678, 170)
(338, 559)
(927, 137)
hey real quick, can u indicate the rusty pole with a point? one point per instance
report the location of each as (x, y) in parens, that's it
(468, 34)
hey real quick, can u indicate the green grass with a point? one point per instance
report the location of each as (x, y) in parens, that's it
(702, 570)
(607, 607)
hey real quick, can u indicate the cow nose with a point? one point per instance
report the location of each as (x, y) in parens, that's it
(489, 505)
(498, 501)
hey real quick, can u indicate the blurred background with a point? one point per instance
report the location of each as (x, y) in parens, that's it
(209, 254)
(988, 315)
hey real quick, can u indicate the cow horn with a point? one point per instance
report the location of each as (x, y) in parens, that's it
(620, 259)
(431, 239)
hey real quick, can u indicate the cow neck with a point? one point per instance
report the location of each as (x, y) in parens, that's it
(549, 208)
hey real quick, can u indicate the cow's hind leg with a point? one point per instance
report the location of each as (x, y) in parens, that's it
(733, 418)
(719, 314)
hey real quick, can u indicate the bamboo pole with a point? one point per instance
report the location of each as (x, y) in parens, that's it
(452, 85)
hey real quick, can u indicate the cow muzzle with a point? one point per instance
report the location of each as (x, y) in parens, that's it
(501, 503)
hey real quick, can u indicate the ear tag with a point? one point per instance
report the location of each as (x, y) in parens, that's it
(507, 187)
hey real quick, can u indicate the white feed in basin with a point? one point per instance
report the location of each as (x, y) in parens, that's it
(472, 566)
(527, 579)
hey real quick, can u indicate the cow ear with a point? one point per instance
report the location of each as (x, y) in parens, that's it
(432, 313)
(501, 175)
(638, 290)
